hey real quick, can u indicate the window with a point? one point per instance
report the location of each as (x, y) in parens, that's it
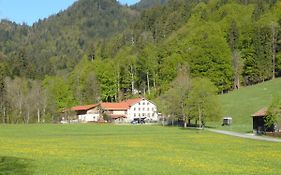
(134, 109)
(147, 109)
(139, 115)
(139, 109)
(143, 109)
(153, 115)
(139, 103)
(143, 103)
(143, 114)
(135, 115)
(147, 103)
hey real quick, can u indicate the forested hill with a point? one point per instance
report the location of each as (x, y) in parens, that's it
(58, 42)
(145, 4)
(100, 50)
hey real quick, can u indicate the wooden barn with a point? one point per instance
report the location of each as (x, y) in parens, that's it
(259, 121)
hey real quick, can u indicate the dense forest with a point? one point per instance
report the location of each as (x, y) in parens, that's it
(99, 50)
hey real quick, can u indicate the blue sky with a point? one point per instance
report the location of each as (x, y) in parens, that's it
(29, 11)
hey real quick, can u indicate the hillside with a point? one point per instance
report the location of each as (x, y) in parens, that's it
(241, 104)
(145, 4)
(57, 43)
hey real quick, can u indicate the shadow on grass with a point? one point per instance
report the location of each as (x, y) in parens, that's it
(195, 127)
(15, 166)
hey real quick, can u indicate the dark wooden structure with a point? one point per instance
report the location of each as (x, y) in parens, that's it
(259, 122)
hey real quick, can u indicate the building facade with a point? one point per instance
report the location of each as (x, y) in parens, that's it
(89, 113)
(142, 109)
(139, 109)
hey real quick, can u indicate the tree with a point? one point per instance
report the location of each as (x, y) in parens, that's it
(274, 113)
(263, 53)
(17, 90)
(37, 98)
(274, 39)
(148, 65)
(59, 93)
(92, 89)
(3, 74)
(210, 56)
(233, 40)
(202, 101)
(173, 102)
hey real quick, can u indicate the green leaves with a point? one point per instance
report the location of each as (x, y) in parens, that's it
(202, 101)
(59, 93)
(274, 113)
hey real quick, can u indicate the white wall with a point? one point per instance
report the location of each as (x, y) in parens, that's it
(120, 112)
(143, 109)
(91, 116)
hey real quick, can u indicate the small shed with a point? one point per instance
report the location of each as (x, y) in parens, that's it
(227, 121)
(259, 121)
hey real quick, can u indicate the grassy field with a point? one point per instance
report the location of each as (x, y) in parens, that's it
(248, 100)
(109, 149)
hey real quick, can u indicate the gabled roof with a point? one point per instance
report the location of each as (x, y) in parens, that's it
(123, 105)
(115, 106)
(84, 108)
(131, 102)
(261, 113)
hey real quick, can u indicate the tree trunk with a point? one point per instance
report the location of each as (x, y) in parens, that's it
(118, 88)
(148, 83)
(43, 114)
(132, 80)
(28, 116)
(154, 81)
(4, 114)
(236, 64)
(199, 117)
(274, 41)
(185, 124)
(20, 114)
(38, 115)
(132, 41)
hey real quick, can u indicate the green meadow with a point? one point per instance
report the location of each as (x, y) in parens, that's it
(240, 105)
(109, 149)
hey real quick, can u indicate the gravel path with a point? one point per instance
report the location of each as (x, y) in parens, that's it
(246, 136)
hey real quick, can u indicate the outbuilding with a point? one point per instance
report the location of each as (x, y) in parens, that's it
(88, 113)
(259, 121)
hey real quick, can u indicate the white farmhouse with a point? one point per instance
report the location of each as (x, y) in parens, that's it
(141, 109)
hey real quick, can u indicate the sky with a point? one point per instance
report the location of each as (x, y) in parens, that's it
(30, 11)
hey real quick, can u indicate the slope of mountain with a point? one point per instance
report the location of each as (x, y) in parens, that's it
(58, 42)
(145, 4)
(240, 105)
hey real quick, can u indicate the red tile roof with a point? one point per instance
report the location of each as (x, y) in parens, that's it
(260, 113)
(115, 106)
(124, 105)
(131, 102)
(83, 108)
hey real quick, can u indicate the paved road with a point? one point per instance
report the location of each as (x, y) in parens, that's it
(247, 136)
